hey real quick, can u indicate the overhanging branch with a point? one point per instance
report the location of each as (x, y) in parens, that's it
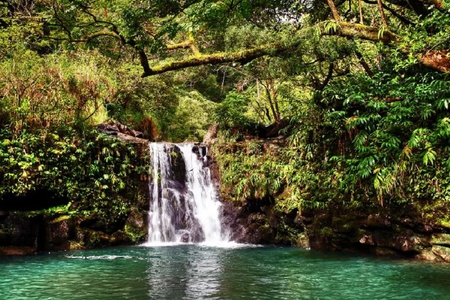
(243, 57)
(365, 32)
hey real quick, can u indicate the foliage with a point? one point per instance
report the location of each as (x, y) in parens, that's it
(368, 121)
(252, 171)
(184, 126)
(50, 161)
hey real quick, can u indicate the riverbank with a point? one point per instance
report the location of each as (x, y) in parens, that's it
(270, 210)
(259, 204)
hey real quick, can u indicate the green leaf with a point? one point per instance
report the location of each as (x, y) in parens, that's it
(429, 157)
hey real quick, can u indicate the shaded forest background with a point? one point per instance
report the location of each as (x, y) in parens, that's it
(355, 94)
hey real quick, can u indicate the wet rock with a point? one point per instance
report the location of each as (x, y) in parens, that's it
(229, 217)
(14, 250)
(384, 251)
(367, 240)
(178, 166)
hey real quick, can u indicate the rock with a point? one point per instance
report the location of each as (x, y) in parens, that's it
(303, 240)
(378, 221)
(14, 250)
(367, 240)
(95, 238)
(441, 239)
(211, 134)
(428, 255)
(345, 225)
(120, 238)
(442, 252)
(131, 139)
(384, 251)
(122, 131)
(22, 231)
(137, 134)
(405, 243)
(135, 229)
(57, 234)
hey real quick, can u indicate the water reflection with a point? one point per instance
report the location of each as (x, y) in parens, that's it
(199, 272)
(195, 273)
(204, 273)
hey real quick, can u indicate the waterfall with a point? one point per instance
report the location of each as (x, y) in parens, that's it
(184, 207)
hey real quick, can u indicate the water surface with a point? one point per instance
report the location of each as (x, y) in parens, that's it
(202, 272)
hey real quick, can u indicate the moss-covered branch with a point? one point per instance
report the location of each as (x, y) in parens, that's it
(438, 60)
(365, 32)
(243, 56)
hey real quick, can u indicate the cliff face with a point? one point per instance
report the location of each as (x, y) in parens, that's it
(264, 215)
(25, 231)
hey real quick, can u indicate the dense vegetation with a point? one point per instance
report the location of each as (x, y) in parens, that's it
(356, 94)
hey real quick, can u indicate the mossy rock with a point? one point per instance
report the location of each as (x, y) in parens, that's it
(442, 239)
(345, 225)
(442, 252)
(443, 223)
(303, 240)
(120, 238)
(60, 219)
(134, 234)
(57, 232)
(135, 227)
(94, 239)
(74, 245)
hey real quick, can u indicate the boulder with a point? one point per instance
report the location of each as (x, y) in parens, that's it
(56, 235)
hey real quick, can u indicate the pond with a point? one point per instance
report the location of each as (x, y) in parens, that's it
(229, 272)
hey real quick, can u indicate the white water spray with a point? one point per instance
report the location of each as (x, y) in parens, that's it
(187, 211)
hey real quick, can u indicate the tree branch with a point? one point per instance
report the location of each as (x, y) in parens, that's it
(365, 32)
(438, 60)
(243, 57)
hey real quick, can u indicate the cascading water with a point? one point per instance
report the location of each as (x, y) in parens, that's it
(184, 206)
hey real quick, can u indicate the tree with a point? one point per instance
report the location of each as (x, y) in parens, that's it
(158, 31)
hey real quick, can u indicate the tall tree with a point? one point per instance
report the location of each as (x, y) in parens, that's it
(156, 30)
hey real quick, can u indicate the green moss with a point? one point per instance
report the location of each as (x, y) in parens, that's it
(60, 219)
(326, 232)
(345, 224)
(440, 239)
(302, 240)
(74, 245)
(443, 223)
(136, 235)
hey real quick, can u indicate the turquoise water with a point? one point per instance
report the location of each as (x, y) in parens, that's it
(200, 272)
